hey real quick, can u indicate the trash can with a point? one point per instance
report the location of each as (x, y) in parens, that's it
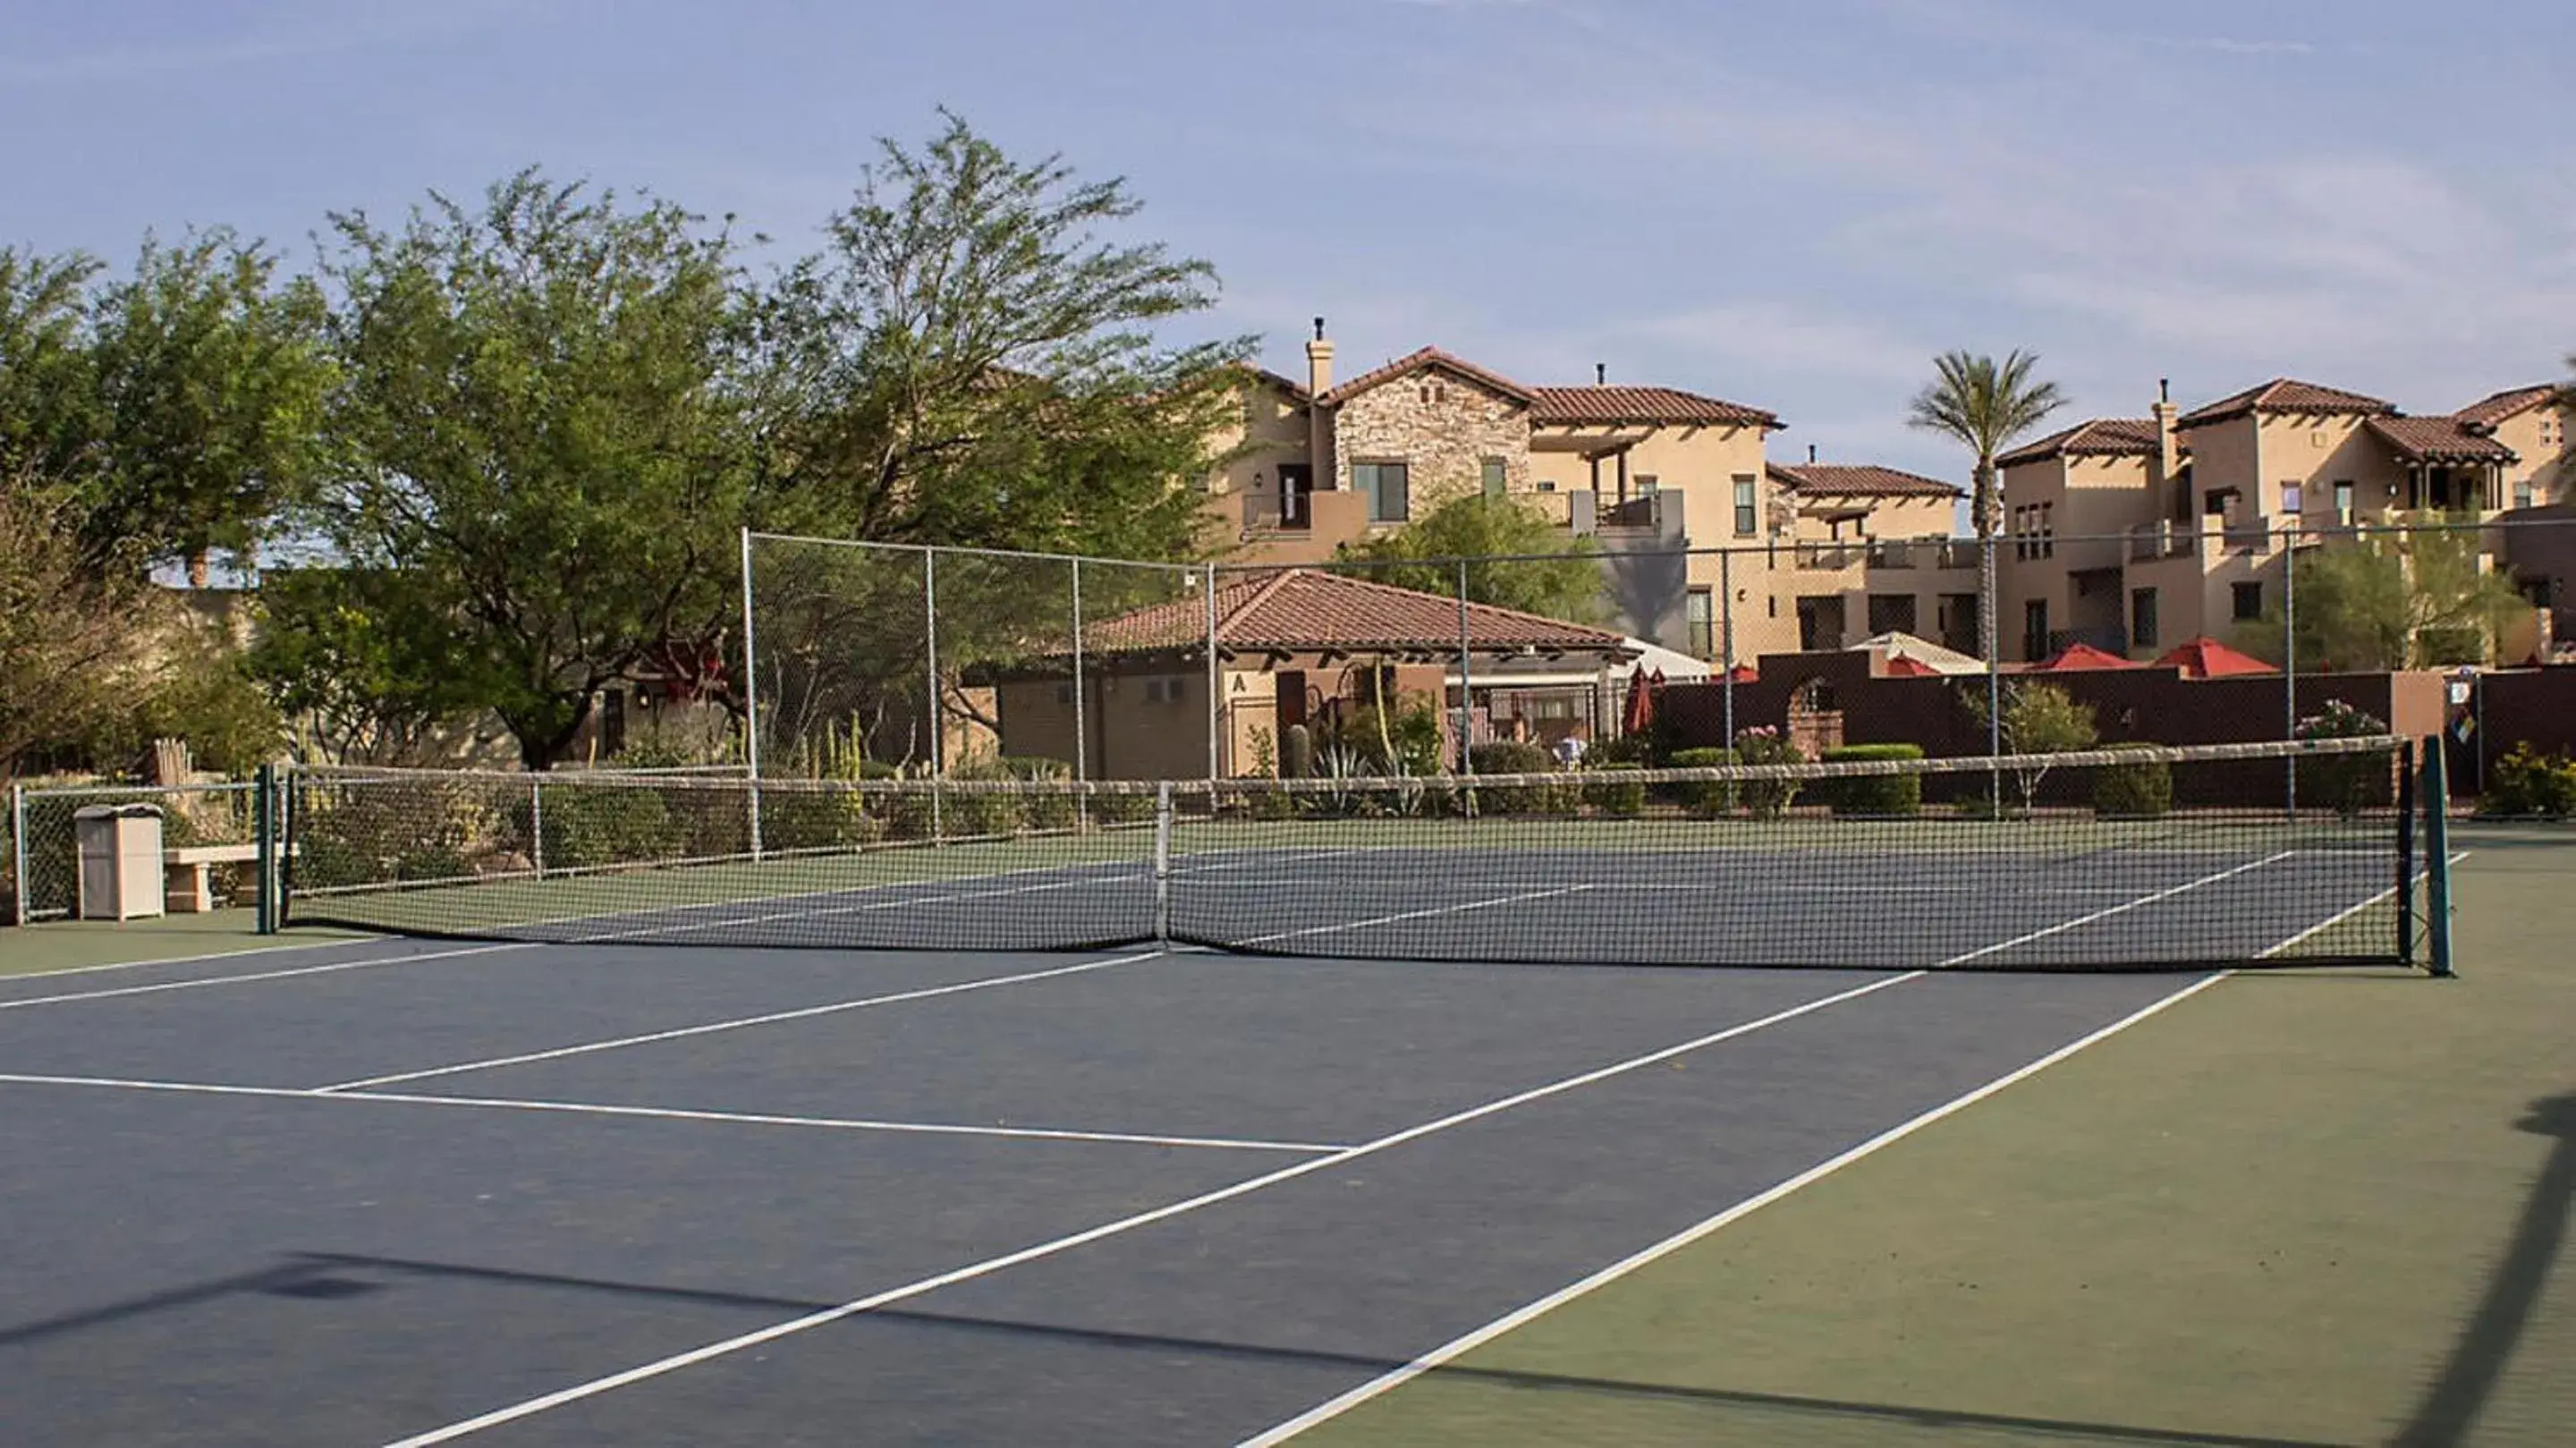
(120, 860)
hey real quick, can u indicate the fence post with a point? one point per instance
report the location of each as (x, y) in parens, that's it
(1726, 625)
(1991, 630)
(264, 838)
(18, 853)
(930, 653)
(1466, 682)
(2437, 858)
(750, 709)
(1215, 680)
(1163, 863)
(2290, 656)
(1081, 737)
(537, 826)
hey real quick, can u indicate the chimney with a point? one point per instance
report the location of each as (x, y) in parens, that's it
(1322, 467)
(1600, 374)
(1811, 455)
(2168, 478)
(1319, 362)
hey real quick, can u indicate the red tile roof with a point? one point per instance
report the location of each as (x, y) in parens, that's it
(1861, 481)
(2078, 658)
(2207, 658)
(2496, 407)
(2440, 440)
(2284, 394)
(2101, 437)
(1643, 405)
(1413, 362)
(1304, 610)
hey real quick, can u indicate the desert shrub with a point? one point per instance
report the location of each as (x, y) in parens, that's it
(1637, 749)
(2140, 789)
(963, 814)
(1614, 795)
(590, 824)
(1121, 809)
(1048, 809)
(2529, 784)
(1766, 799)
(2344, 783)
(1883, 796)
(1707, 800)
(816, 819)
(1515, 757)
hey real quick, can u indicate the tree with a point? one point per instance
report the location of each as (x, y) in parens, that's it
(2409, 594)
(2036, 719)
(1983, 405)
(66, 630)
(338, 650)
(210, 378)
(48, 420)
(546, 457)
(1549, 573)
(968, 363)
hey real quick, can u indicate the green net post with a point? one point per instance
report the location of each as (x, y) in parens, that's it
(264, 808)
(17, 854)
(2407, 770)
(2437, 859)
(1163, 863)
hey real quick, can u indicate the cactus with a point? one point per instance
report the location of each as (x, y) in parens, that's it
(1296, 752)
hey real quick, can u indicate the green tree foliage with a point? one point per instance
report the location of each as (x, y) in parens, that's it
(337, 650)
(66, 630)
(968, 362)
(545, 465)
(2038, 718)
(48, 407)
(209, 377)
(1553, 576)
(1983, 404)
(2408, 596)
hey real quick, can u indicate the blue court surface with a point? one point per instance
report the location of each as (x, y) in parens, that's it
(517, 1193)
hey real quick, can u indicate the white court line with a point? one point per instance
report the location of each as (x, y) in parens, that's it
(663, 1113)
(2120, 909)
(603, 938)
(2350, 911)
(135, 990)
(740, 1023)
(1415, 914)
(1468, 1342)
(200, 958)
(596, 1386)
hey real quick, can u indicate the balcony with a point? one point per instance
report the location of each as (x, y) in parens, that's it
(1901, 555)
(1272, 513)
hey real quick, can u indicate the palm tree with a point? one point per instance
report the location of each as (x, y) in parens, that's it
(1985, 404)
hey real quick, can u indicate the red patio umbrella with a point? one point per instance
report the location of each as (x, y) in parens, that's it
(2077, 658)
(1642, 688)
(1744, 674)
(2207, 658)
(1901, 667)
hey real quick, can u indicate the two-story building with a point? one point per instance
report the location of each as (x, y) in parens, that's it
(2132, 534)
(1694, 525)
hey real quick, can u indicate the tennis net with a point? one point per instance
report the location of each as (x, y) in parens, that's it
(2129, 858)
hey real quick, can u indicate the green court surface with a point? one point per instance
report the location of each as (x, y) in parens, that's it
(2291, 1210)
(82, 944)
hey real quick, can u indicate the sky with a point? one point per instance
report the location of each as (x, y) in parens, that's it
(1789, 205)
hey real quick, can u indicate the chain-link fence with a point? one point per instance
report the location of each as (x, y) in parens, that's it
(208, 832)
(1637, 646)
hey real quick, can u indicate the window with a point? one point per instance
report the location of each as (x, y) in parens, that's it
(1388, 488)
(2034, 629)
(2523, 494)
(2048, 530)
(2142, 618)
(1547, 485)
(2292, 498)
(2249, 600)
(1747, 507)
(2343, 500)
(1703, 623)
(1496, 477)
(1648, 485)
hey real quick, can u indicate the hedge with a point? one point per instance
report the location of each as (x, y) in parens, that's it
(1887, 796)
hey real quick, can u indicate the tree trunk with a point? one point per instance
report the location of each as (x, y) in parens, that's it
(1987, 508)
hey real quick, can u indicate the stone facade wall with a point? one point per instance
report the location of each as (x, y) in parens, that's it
(1443, 427)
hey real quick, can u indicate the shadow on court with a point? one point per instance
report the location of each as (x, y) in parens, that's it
(327, 1277)
(2496, 1328)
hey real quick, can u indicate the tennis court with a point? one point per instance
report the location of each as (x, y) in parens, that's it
(645, 1178)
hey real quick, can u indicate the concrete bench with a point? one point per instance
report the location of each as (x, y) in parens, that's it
(187, 884)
